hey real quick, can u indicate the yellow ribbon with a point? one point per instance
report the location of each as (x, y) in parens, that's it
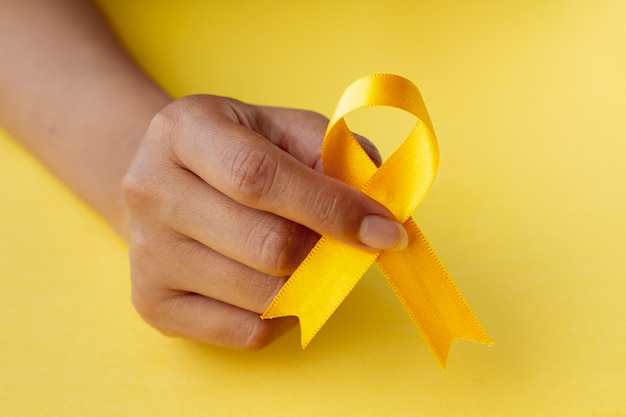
(418, 278)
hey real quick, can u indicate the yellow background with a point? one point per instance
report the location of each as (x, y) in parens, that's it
(528, 99)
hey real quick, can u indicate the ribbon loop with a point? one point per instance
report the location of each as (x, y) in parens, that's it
(417, 276)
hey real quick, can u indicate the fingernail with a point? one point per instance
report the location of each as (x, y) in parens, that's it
(380, 233)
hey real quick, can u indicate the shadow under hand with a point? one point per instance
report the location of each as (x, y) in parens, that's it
(371, 319)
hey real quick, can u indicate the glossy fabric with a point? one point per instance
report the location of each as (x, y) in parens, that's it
(415, 273)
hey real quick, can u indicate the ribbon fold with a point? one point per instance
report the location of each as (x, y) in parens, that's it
(418, 278)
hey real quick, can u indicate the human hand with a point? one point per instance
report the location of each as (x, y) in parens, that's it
(226, 199)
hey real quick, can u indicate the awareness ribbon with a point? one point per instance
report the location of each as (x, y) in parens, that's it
(418, 278)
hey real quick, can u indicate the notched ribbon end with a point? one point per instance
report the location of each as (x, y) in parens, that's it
(442, 351)
(306, 332)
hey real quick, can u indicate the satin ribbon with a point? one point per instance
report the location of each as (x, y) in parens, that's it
(418, 278)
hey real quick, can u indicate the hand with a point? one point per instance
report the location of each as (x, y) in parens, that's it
(226, 199)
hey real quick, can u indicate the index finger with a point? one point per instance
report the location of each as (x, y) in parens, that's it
(239, 162)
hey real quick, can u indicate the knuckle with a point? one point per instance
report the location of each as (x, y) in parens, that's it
(329, 209)
(147, 295)
(154, 307)
(261, 290)
(174, 118)
(148, 306)
(281, 247)
(176, 115)
(141, 248)
(253, 173)
(169, 127)
(269, 291)
(149, 192)
(167, 119)
(143, 185)
(136, 190)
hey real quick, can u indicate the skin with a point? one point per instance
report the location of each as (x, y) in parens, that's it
(219, 200)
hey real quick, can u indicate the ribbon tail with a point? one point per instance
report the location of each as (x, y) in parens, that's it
(319, 285)
(429, 295)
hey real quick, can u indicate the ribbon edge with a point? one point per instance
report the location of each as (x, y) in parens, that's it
(287, 284)
(368, 79)
(270, 313)
(442, 356)
(304, 343)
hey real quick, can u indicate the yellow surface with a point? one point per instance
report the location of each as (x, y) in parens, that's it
(527, 212)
